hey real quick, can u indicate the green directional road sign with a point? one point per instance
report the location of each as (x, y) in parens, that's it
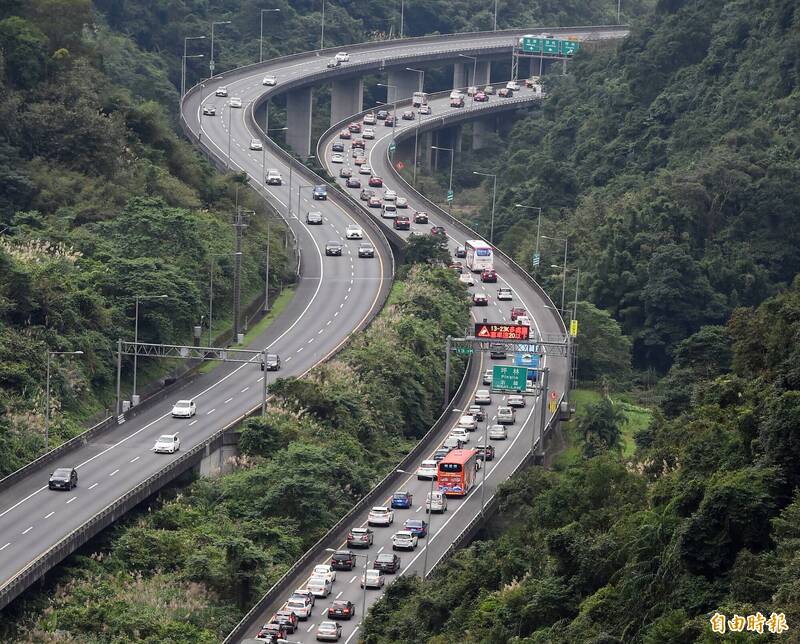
(550, 46)
(536, 259)
(532, 45)
(392, 147)
(450, 195)
(507, 378)
(568, 47)
(464, 351)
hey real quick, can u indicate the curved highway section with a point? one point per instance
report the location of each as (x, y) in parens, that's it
(336, 296)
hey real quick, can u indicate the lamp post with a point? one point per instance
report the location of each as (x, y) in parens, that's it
(211, 63)
(364, 595)
(494, 196)
(50, 354)
(538, 222)
(577, 284)
(183, 72)
(136, 334)
(452, 156)
(183, 77)
(619, 9)
(474, 71)
(564, 280)
(322, 32)
(418, 118)
(261, 34)
(211, 293)
(495, 15)
(402, 16)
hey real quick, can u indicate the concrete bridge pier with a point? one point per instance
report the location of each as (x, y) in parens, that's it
(217, 458)
(402, 84)
(347, 98)
(481, 129)
(298, 121)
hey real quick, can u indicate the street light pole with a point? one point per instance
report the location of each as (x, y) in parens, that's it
(183, 76)
(450, 189)
(50, 354)
(322, 33)
(494, 196)
(183, 73)
(402, 16)
(261, 34)
(418, 119)
(211, 63)
(564, 279)
(495, 15)
(538, 221)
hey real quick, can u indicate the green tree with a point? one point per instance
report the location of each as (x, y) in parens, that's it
(603, 350)
(600, 427)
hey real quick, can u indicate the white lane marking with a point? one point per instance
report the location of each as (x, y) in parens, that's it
(211, 411)
(27, 530)
(334, 315)
(227, 401)
(6, 546)
(323, 611)
(319, 332)
(328, 323)
(310, 628)
(114, 472)
(47, 516)
(418, 509)
(340, 594)
(192, 423)
(133, 460)
(289, 358)
(71, 500)
(380, 549)
(353, 579)
(300, 349)
(260, 379)
(91, 487)
(347, 641)
(310, 341)
(243, 390)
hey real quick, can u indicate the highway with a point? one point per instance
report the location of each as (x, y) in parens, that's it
(509, 453)
(335, 297)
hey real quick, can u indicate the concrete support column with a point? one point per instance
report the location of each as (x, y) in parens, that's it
(347, 98)
(402, 84)
(459, 75)
(456, 138)
(481, 129)
(426, 157)
(298, 121)
(483, 74)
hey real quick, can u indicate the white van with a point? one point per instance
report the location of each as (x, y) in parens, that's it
(506, 415)
(435, 502)
(418, 99)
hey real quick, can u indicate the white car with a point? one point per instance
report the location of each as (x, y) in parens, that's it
(324, 570)
(353, 231)
(209, 110)
(401, 202)
(487, 377)
(483, 397)
(373, 579)
(389, 195)
(184, 409)
(236, 102)
(269, 81)
(404, 540)
(380, 515)
(460, 433)
(274, 178)
(435, 502)
(221, 91)
(364, 169)
(425, 109)
(333, 63)
(369, 119)
(319, 586)
(468, 422)
(389, 211)
(167, 444)
(337, 157)
(427, 470)
(466, 278)
(505, 293)
(516, 401)
(343, 57)
(455, 94)
(453, 442)
(497, 433)
(301, 607)
(513, 85)
(368, 133)
(505, 416)
(255, 144)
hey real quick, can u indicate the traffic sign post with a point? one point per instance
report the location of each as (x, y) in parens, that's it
(450, 195)
(507, 378)
(573, 328)
(536, 259)
(392, 147)
(464, 351)
(552, 404)
(487, 331)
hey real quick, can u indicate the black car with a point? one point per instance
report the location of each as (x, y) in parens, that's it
(421, 217)
(333, 248)
(497, 351)
(64, 478)
(287, 619)
(343, 560)
(387, 562)
(408, 115)
(337, 147)
(353, 182)
(389, 121)
(382, 114)
(320, 192)
(366, 193)
(440, 453)
(401, 222)
(273, 631)
(461, 252)
(341, 609)
(273, 362)
(314, 218)
(488, 451)
(365, 249)
(478, 412)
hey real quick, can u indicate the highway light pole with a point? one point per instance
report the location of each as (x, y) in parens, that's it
(494, 196)
(474, 72)
(183, 72)
(495, 15)
(50, 355)
(402, 16)
(450, 188)
(322, 33)
(418, 118)
(211, 294)
(564, 280)
(183, 79)
(211, 63)
(261, 34)
(136, 335)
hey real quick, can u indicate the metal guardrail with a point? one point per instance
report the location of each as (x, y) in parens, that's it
(334, 536)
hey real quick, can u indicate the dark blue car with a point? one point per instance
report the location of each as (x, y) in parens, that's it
(402, 500)
(417, 527)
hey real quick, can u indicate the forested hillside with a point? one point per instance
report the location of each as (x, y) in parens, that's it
(672, 164)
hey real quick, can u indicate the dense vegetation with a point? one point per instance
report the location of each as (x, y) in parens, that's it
(705, 517)
(187, 569)
(100, 201)
(672, 164)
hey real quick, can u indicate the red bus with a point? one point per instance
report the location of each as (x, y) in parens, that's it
(457, 472)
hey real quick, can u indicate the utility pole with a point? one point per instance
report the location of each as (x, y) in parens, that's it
(240, 222)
